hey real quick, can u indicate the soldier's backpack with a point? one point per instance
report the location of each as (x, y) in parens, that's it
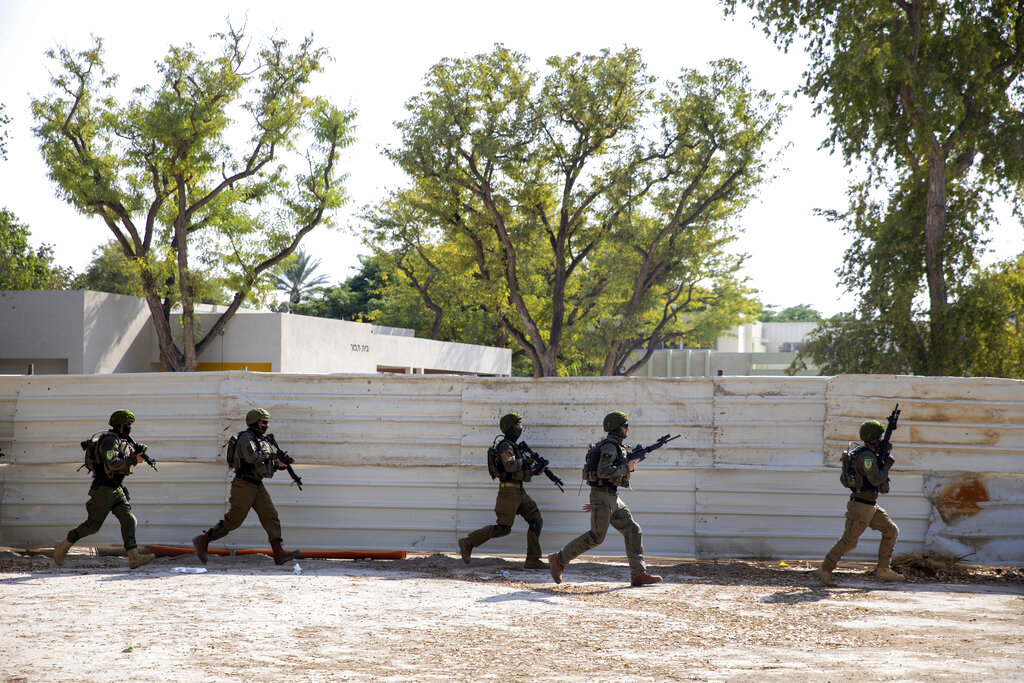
(92, 459)
(494, 466)
(232, 456)
(848, 474)
(591, 461)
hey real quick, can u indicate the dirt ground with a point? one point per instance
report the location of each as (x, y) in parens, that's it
(431, 617)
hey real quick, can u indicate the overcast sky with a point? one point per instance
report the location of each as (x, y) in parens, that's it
(381, 52)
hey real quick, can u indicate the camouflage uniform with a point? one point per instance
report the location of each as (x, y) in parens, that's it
(115, 459)
(863, 511)
(607, 509)
(257, 458)
(516, 468)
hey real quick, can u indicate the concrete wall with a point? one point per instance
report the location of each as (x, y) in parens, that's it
(398, 462)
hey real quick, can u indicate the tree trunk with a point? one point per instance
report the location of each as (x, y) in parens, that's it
(934, 235)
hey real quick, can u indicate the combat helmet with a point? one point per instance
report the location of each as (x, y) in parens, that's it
(255, 415)
(871, 430)
(508, 421)
(121, 417)
(614, 420)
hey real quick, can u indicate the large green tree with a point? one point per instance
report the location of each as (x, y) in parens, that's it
(926, 97)
(583, 210)
(21, 266)
(195, 164)
(111, 271)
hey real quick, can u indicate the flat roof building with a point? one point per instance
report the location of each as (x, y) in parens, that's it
(86, 332)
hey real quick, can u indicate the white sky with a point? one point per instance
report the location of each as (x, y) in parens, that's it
(382, 50)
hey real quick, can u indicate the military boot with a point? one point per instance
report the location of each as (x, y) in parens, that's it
(644, 579)
(534, 563)
(556, 567)
(202, 544)
(60, 551)
(137, 559)
(883, 572)
(465, 549)
(280, 554)
(825, 572)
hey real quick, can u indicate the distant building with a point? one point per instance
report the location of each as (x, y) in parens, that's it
(752, 349)
(86, 332)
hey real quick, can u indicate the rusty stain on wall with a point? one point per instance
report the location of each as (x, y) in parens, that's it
(960, 499)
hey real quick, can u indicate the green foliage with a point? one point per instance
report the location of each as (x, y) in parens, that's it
(801, 313)
(928, 98)
(4, 121)
(990, 315)
(21, 267)
(355, 299)
(111, 271)
(574, 214)
(164, 173)
(295, 275)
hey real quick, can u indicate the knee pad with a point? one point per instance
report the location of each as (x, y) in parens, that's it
(536, 525)
(501, 530)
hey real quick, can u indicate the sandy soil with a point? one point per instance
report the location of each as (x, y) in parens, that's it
(430, 617)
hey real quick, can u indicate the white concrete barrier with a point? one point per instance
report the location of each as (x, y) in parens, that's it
(398, 462)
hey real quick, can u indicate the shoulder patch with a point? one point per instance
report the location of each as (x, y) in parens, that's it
(869, 463)
(110, 454)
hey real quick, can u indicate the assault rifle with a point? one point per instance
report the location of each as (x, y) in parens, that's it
(140, 450)
(885, 443)
(541, 463)
(640, 452)
(286, 459)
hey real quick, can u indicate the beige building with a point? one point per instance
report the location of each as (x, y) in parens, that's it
(752, 349)
(82, 332)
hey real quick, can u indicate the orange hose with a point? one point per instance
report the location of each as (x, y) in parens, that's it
(175, 551)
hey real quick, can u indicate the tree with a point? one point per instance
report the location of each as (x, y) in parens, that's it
(353, 299)
(21, 267)
(165, 171)
(4, 121)
(801, 313)
(991, 314)
(111, 271)
(295, 276)
(584, 207)
(928, 97)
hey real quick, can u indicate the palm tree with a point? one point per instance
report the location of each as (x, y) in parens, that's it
(295, 276)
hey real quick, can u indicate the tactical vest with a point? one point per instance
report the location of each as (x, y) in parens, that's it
(254, 472)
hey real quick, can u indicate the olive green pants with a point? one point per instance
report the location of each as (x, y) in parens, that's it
(607, 509)
(859, 517)
(512, 501)
(102, 501)
(246, 496)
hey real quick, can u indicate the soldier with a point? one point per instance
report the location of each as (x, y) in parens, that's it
(255, 457)
(507, 462)
(110, 456)
(606, 470)
(870, 478)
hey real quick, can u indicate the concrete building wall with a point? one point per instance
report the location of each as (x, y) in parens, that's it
(399, 462)
(84, 332)
(72, 332)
